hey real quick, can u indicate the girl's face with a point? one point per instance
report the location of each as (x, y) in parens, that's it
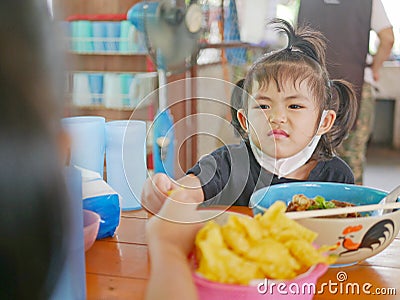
(282, 123)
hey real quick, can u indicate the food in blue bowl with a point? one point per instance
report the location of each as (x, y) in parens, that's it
(353, 238)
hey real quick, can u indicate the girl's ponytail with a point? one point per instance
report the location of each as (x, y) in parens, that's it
(306, 40)
(346, 106)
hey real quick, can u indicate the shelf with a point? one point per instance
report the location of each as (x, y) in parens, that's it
(65, 8)
(108, 113)
(94, 62)
(225, 45)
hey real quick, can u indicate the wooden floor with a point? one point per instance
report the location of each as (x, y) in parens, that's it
(382, 168)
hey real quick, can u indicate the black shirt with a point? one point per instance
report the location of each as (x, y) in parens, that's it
(230, 174)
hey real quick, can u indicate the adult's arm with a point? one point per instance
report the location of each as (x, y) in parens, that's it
(386, 40)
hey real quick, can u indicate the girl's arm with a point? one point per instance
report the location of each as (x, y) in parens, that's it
(157, 188)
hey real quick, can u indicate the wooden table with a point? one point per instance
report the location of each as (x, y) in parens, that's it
(118, 267)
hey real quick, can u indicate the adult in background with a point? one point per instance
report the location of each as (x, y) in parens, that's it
(346, 25)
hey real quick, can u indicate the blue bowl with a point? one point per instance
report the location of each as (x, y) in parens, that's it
(353, 239)
(356, 194)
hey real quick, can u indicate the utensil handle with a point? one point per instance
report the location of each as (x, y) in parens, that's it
(341, 210)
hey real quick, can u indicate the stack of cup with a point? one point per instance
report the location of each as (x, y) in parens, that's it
(81, 32)
(81, 95)
(123, 142)
(99, 36)
(126, 160)
(96, 88)
(87, 142)
(126, 82)
(112, 91)
(113, 30)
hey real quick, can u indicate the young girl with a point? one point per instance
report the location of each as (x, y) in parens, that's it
(294, 117)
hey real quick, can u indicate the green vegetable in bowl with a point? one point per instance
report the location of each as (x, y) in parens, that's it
(321, 203)
(301, 202)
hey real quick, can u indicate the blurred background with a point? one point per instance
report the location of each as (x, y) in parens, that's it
(110, 72)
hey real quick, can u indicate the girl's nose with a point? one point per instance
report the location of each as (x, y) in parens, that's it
(277, 116)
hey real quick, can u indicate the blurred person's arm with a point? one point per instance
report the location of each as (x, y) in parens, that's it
(170, 241)
(386, 41)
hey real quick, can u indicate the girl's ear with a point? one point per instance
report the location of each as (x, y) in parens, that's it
(241, 116)
(327, 123)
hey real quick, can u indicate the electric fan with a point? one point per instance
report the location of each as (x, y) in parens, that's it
(171, 34)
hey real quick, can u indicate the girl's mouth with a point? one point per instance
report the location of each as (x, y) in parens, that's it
(278, 133)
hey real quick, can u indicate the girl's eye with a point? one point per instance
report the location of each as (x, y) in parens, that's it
(264, 106)
(295, 106)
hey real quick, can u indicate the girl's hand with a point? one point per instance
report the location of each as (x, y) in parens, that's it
(155, 191)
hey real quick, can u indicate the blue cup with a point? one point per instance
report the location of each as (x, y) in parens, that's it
(124, 42)
(126, 160)
(126, 82)
(82, 34)
(87, 141)
(96, 88)
(113, 33)
(74, 34)
(99, 36)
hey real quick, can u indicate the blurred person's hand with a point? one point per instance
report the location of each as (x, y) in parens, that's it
(175, 225)
(375, 73)
(170, 236)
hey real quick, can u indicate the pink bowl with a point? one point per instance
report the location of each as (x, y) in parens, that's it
(91, 224)
(303, 287)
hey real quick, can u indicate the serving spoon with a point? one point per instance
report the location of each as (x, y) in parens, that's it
(341, 210)
(390, 198)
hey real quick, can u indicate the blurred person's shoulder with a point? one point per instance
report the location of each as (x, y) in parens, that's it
(379, 18)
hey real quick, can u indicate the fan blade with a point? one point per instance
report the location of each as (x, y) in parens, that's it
(168, 38)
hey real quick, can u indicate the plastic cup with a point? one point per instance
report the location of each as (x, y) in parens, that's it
(96, 88)
(87, 141)
(126, 81)
(125, 42)
(126, 160)
(74, 32)
(84, 36)
(113, 33)
(99, 36)
(112, 91)
(81, 90)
